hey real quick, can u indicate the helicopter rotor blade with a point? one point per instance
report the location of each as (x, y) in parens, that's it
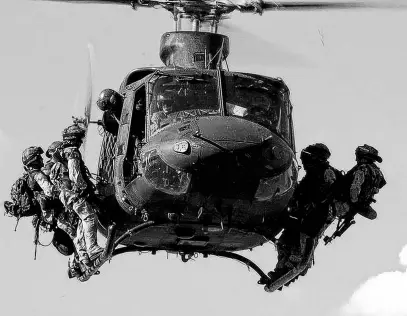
(89, 94)
(121, 2)
(260, 6)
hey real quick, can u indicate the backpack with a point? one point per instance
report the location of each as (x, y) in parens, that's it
(23, 202)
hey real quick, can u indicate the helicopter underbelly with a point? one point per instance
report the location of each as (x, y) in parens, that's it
(195, 238)
(184, 225)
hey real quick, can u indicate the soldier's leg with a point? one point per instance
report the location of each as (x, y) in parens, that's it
(89, 223)
(63, 224)
(80, 246)
(47, 213)
(287, 247)
(73, 266)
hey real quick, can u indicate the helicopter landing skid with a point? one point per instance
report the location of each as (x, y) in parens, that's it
(105, 256)
(292, 274)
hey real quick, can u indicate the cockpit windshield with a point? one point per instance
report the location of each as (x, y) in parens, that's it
(178, 97)
(175, 98)
(253, 100)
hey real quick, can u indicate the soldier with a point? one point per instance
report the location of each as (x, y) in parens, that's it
(45, 192)
(76, 190)
(165, 102)
(310, 208)
(361, 184)
(110, 100)
(52, 149)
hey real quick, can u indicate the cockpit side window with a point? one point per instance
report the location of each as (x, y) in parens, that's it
(259, 103)
(175, 98)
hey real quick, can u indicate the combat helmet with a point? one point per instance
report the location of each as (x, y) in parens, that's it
(73, 134)
(52, 148)
(368, 152)
(31, 154)
(316, 153)
(109, 100)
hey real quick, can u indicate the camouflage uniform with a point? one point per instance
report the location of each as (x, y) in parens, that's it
(310, 205)
(52, 149)
(76, 191)
(361, 184)
(44, 191)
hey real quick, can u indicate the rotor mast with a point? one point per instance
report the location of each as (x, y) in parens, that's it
(206, 21)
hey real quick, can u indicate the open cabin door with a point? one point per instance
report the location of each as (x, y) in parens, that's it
(129, 140)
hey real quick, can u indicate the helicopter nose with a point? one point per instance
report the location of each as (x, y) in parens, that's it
(184, 145)
(222, 155)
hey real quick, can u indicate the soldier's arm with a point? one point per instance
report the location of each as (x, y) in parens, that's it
(329, 179)
(46, 185)
(356, 185)
(74, 169)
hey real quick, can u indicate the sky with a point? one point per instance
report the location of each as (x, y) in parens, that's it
(347, 75)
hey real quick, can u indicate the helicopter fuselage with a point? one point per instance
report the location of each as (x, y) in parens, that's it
(210, 158)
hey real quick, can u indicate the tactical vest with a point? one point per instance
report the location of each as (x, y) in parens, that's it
(33, 185)
(374, 180)
(84, 172)
(60, 176)
(310, 187)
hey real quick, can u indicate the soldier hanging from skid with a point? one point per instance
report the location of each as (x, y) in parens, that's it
(357, 191)
(321, 195)
(310, 211)
(34, 195)
(72, 178)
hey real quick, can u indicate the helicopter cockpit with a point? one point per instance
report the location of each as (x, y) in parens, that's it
(176, 98)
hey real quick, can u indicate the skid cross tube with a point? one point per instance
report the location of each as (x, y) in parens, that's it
(225, 254)
(242, 259)
(111, 244)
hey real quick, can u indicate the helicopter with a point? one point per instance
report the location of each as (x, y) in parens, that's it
(198, 159)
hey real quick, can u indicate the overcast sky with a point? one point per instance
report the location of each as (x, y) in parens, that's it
(347, 76)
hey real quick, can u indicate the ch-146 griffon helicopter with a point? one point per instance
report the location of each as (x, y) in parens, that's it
(215, 167)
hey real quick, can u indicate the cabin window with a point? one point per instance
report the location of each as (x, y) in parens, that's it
(176, 98)
(259, 103)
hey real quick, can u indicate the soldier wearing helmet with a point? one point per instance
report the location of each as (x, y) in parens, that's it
(72, 177)
(52, 154)
(45, 191)
(310, 208)
(110, 100)
(38, 182)
(165, 106)
(361, 184)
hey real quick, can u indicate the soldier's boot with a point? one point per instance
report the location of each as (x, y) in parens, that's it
(73, 267)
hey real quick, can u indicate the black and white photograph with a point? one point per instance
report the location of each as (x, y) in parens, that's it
(203, 157)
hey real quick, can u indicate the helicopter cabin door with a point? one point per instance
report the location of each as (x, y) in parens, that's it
(130, 138)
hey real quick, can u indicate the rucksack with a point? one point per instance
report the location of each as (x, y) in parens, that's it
(23, 202)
